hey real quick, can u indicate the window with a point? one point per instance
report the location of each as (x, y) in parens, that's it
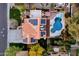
(42, 27)
(33, 21)
(32, 40)
(42, 33)
(43, 21)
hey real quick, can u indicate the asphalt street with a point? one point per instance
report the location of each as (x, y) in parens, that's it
(3, 27)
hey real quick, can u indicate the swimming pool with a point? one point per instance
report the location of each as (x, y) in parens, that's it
(57, 24)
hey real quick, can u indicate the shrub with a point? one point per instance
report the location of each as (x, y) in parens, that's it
(36, 50)
(11, 51)
(56, 41)
(32, 53)
(72, 41)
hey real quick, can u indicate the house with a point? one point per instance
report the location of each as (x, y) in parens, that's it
(35, 27)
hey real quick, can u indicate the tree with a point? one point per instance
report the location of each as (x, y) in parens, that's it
(73, 26)
(73, 22)
(21, 6)
(15, 14)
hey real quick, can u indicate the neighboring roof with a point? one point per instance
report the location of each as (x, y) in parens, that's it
(39, 5)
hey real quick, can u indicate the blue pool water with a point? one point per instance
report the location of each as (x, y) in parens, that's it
(57, 25)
